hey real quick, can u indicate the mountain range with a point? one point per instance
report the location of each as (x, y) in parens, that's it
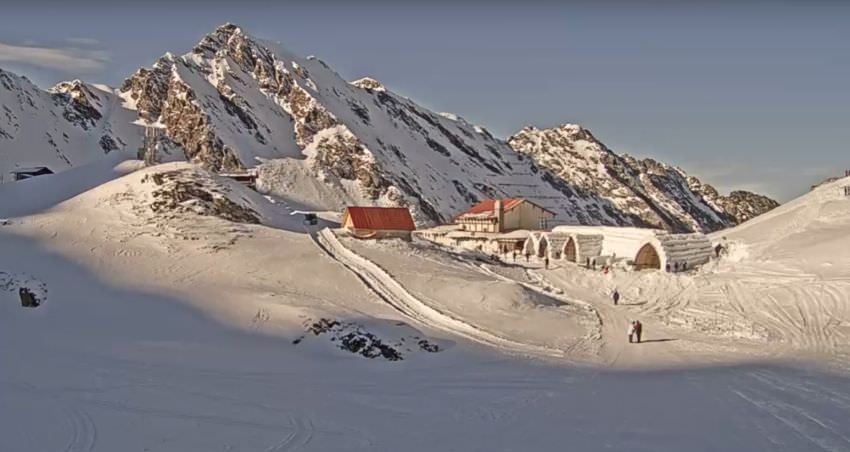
(236, 102)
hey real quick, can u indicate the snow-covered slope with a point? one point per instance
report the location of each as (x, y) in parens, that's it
(70, 125)
(812, 229)
(172, 320)
(660, 195)
(235, 101)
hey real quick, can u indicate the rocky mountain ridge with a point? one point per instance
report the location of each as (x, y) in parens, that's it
(236, 102)
(71, 124)
(660, 195)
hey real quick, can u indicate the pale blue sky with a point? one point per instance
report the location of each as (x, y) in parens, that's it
(751, 96)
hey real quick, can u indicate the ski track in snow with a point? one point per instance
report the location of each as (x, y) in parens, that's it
(83, 430)
(301, 435)
(388, 289)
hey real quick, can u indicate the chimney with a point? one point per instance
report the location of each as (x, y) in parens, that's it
(499, 210)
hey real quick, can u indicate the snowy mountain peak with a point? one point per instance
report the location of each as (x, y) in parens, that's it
(235, 102)
(71, 124)
(659, 194)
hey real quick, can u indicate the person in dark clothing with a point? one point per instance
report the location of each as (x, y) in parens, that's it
(587, 263)
(616, 297)
(527, 256)
(675, 267)
(717, 250)
(638, 330)
(546, 262)
(668, 268)
(514, 254)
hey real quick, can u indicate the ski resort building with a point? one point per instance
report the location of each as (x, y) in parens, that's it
(488, 242)
(642, 248)
(572, 247)
(378, 222)
(27, 173)
(247, 178)
(504, 215)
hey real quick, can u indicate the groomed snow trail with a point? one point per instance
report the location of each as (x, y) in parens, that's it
(392, 292)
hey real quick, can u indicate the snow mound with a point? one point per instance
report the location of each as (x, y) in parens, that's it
(43, 192)
(189, 190)
(176, 191)
(814, 224)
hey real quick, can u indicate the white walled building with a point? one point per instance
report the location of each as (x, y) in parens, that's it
(644, 248)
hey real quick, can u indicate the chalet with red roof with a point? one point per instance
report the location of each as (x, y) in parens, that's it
(378, 222)
(504, 215)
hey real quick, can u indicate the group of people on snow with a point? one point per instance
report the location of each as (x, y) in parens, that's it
(635, 327)
(635, 330)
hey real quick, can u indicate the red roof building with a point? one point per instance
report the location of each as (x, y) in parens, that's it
(507, 214)
(378, 222)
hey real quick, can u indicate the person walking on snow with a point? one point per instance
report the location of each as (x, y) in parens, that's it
(638, 330)
(616, 296)
(546, 262)
(631, 331)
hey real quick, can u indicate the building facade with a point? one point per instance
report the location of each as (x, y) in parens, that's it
(504, 215)
(378, 222)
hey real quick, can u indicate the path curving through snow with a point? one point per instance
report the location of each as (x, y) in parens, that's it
(393, 293)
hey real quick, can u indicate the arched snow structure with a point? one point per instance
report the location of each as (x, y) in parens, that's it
(647, 258)
(542, 246)
(578, 247)
(529, 248)
(617, 243)
(570, 253)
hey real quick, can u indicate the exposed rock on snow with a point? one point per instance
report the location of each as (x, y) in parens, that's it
(369, 83)
(354, 338)
(182, 190)
(14, 282)
(236, 102)
(657, 194)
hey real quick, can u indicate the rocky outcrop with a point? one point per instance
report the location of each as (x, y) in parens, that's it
(179, 191)
(236, 102)
(745, 205)
(660, 195)
(369, 83)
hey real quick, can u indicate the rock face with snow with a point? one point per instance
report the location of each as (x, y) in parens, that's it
(235, 102)
(660, 195)
(72, 124)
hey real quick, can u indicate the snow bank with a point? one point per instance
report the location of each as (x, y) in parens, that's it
(39, 193)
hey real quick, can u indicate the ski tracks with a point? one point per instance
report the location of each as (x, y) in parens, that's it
(792, 402)
(83, 430)
(301, 435)
(393, 293)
